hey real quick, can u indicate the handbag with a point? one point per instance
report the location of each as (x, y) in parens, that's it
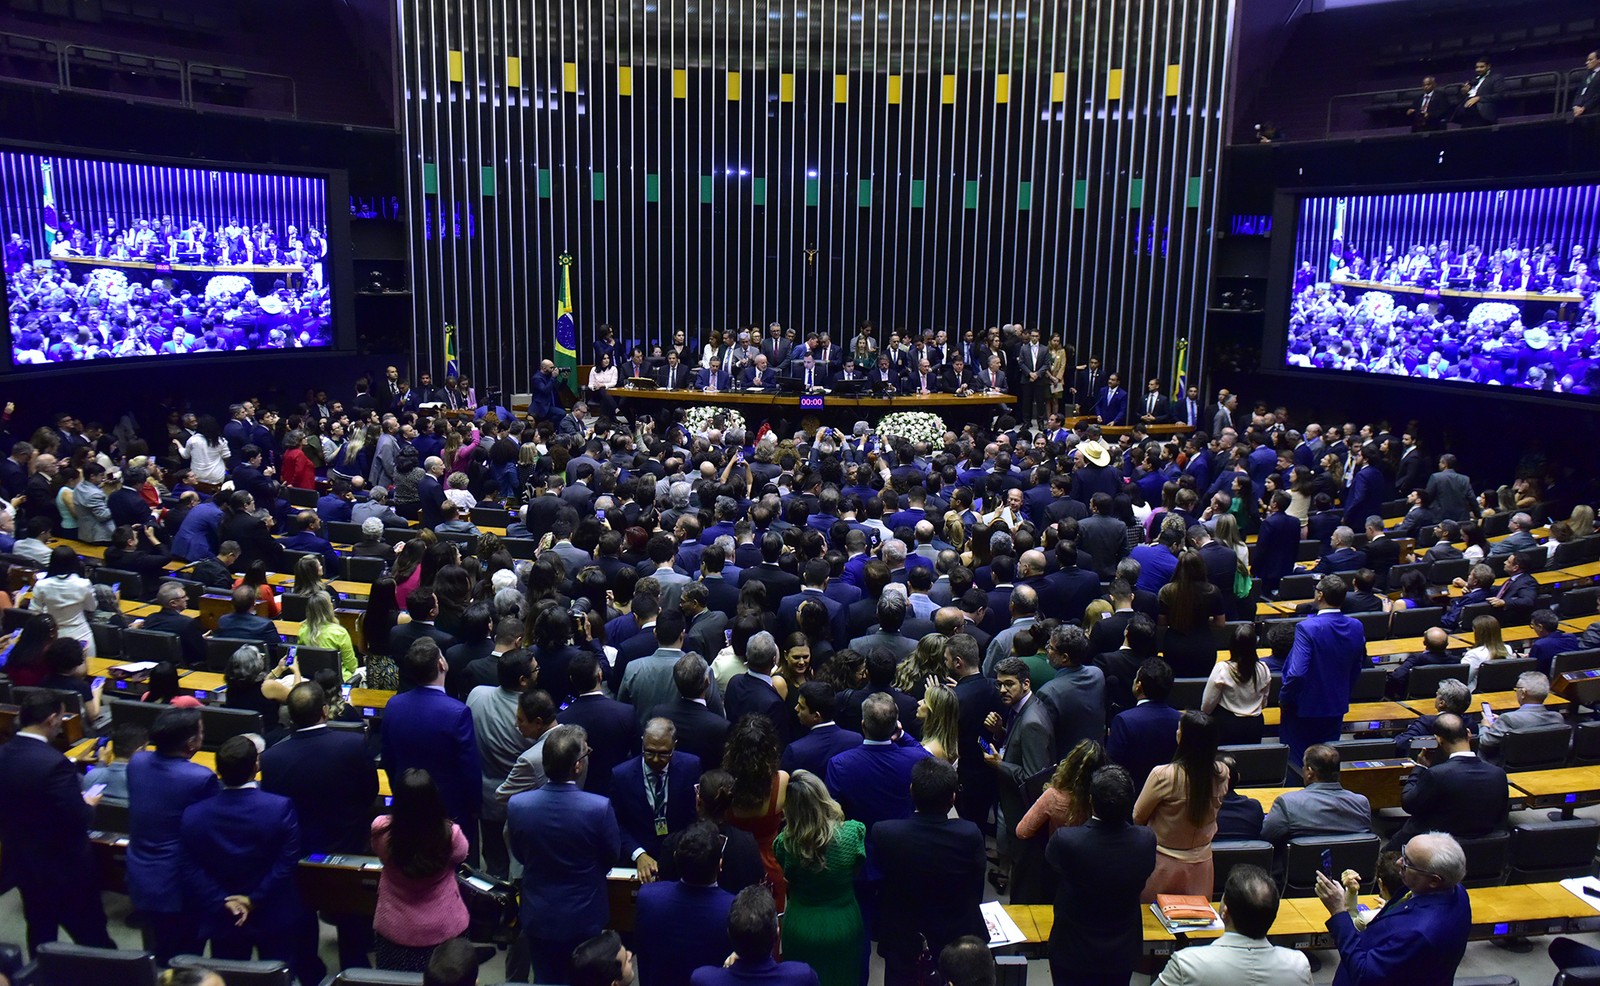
(492, 906)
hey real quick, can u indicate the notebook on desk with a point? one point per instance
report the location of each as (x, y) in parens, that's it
(642, 383)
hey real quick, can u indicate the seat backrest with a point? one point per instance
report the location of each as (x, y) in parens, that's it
(1553, 850)
(1579, 602)
(490, 516)
(1353, 750)
(1586, 743)
(359, 568)
(294, 606)
(375, 977)
(107, 639)
(1410, 622)
(130, 585)
(221, 723)
(1304, 858)
(1374, 625)
(111, 815)
(1572, 660)
(1186, 693)
(310, 660)
(1495, 525)
(60, 964)
(343, 531)
(1447, 571)
(1535, 749)
(1258, 764)
(1294, 587)
(220, 649)
(72, 701)
(1424, 680)
(1501, 676)
(1398, 572)
(1369, 685)
(521, 548)
(141, 714)
(15, 618)
(300, 497)
(1487, 859)
(291, 558)
(1226, 855)
(1308, 551)
(151, 645)
(394, 535)
(238, 973)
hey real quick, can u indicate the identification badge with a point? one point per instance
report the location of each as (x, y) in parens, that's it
(661, 826)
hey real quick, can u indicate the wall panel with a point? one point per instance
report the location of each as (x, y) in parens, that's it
(933, 164)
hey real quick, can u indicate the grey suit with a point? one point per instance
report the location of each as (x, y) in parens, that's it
(704, 636)
(1452, 495)
(573, 558)
(901, 647)
(383, 459)
(647, 683)
(1323, 808)
(1234, 958)
(1029, 749)
(1519, 720)
(1076, 698)
(1000, 646)
(93, 513)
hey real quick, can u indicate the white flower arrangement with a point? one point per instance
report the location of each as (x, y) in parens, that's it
(698, 419)
(108, 282)
(227, 284)
(1492, 311)
(913, 426)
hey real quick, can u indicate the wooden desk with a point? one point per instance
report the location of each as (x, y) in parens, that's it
(905, 402)
(1564, 787)
(369, 699)
(1377, 715)
(1578, 624)
(342, 586)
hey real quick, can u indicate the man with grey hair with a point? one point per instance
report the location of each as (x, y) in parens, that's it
(430, 491)
(376, 507)
(1024, 614)
(894, 555)
(653, 795)
(1420, 937)
(1520, 539)
(1452, 696)
(1342, 555)
(1077, 694)
(1243, 953)
(893, 608)
(1531, 714)
(172, 597)
(753, 691)
(873, 781)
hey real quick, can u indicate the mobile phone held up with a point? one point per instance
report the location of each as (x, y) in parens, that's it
(1327, 864)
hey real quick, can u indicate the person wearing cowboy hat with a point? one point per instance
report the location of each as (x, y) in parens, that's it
(1094, 473)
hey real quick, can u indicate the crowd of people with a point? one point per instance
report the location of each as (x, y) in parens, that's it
(771, 673)
(165, 240)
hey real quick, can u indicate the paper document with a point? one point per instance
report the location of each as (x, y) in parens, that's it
(134, 668)
(1578, 886)
(1002, 930)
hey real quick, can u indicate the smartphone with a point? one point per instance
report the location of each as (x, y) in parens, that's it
(95, 790)
(102, 742)
(1327, 863)
(1425, 743)
(288, 662)
(117, 588)
(317, 858)
(727, 637)
(99, 682)
(346, 692)
(1488, 713)
(987, 746)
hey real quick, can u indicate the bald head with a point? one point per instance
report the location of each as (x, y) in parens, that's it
(1031, 564)
(1436, 639)
(1437, 863)
(1024, 601)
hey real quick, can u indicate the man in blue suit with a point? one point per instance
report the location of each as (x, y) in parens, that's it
(330, 778)
(753, 930)
(1368, 489)
(566, 840)
(610, 722)
(715, 378)
(1146, 736)
(44, 825)
(1343, 556)
(681, 925)
(543, 404)
(427, 729)
(1278, 543)
(822, 737)
(240, 850)
(814, 577)
(1111, 404)
(873, 781)
(653, 795)
(759, 374)
(1419, 937)
(753, 693)
(1329, 651)
(161, 785)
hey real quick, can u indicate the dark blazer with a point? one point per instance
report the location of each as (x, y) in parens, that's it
(255, 543)
(330, 777)
(1108, 633)
(873, 782)
(1110, 407)
(722, 596)
(1029, 748)
(748, 694)
(1419, 941)
(613, 735)
(1341, 560)
(247, 626)
(1106, 540)
(819, 745)
(705, 635)
(1464, 796)
(933, 871)
(635, 820)
(188, 631)
(566, 841)
(159, 790)
(778, 582)
(700, 730)
(1520, 593)
(426, 728)
(243, 841)
(1143, 738)
(1382, 554)
(678, 929)
(45, 830)
(836, 612)
(1102, 868)
(405, 634)
(1277, 546)
(976, 697)
(763, 971)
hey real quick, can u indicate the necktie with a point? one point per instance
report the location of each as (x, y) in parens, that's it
(1152, 404)
(808, 379)
(991, 380)
(1425, 97)
(658, 797)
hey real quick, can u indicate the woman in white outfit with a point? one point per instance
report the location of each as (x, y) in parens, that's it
(67, 596)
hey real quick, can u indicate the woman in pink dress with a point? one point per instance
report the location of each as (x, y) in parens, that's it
(419, 904)
(1179, 803)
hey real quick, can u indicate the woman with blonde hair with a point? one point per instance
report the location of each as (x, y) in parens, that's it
(1582, 520)
(923, 664)
(322, 628)
(820, 853)
(1488, 645)
(938, 714)
(1065, 800)
(955, 531)
(1096, 611)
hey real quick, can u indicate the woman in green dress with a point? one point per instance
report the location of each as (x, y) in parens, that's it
(820, 853)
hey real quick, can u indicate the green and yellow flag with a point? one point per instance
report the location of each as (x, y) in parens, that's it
(566, 328)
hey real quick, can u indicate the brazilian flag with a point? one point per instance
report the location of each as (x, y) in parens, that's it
(452, 359)
(566, 329)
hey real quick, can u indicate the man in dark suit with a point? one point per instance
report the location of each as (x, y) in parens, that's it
(1153, 408)
(44, 825)
(705, 626)
(1519, 593)
(957, 378)
(820, 736)
(815, 574)
(779, 583)
(1480, 98)
(1430, 109)
(1475, 588)
(1343, 557)
(610, 724)
(1033, 362)
(714, 379)
(1455, 791)
(674, 375)
(932, 868)
(873, 781)
(752, 693)
(1586, 99)
(422, 606)
(700, 732)
(753, 930)
(1103, 536)
(811, 372)
(567, 840)
(759, 374)
(681, 925)
(653, 795)
(1111, 403)
(240, 851)
(243, 623)
(1076, 696)
(329, 776)
(1278, 543)
(1421, 935)
(1028, 752)
(1382, 551)
(722, 594)
(428, 729)
(172, 598)
(430, 493)
(1085, 385)
(1146, 736)
(1102, 867)
(161, 785)
(976, 698)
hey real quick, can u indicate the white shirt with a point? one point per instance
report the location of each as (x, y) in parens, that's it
(210, 463)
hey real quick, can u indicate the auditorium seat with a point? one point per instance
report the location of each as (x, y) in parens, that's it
(1258, 764)
(1423, 682)
(1352, 750)
(362, 569)
(1447, 571)
(60, 964)
(373, 977)
(305, 499)
(151, 645)
(238, 973)
(1397, 573)
(1369, 685)
(343, 532)
(129, 585)
(1226, 855)
(1544, 748)
(1296, 587)
(220, 723)
(294, 606)
(1501, 676)
(1186, 693)
(1350, 852)
(220, 649)
(291, 558)
(107, 640)
(310, 660)
(1579, 602)
(1374, 625)
(1586, 744)
(1544, 851)
(1487, 859)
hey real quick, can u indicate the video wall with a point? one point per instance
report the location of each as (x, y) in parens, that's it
(108, 259)
(1492, 286)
